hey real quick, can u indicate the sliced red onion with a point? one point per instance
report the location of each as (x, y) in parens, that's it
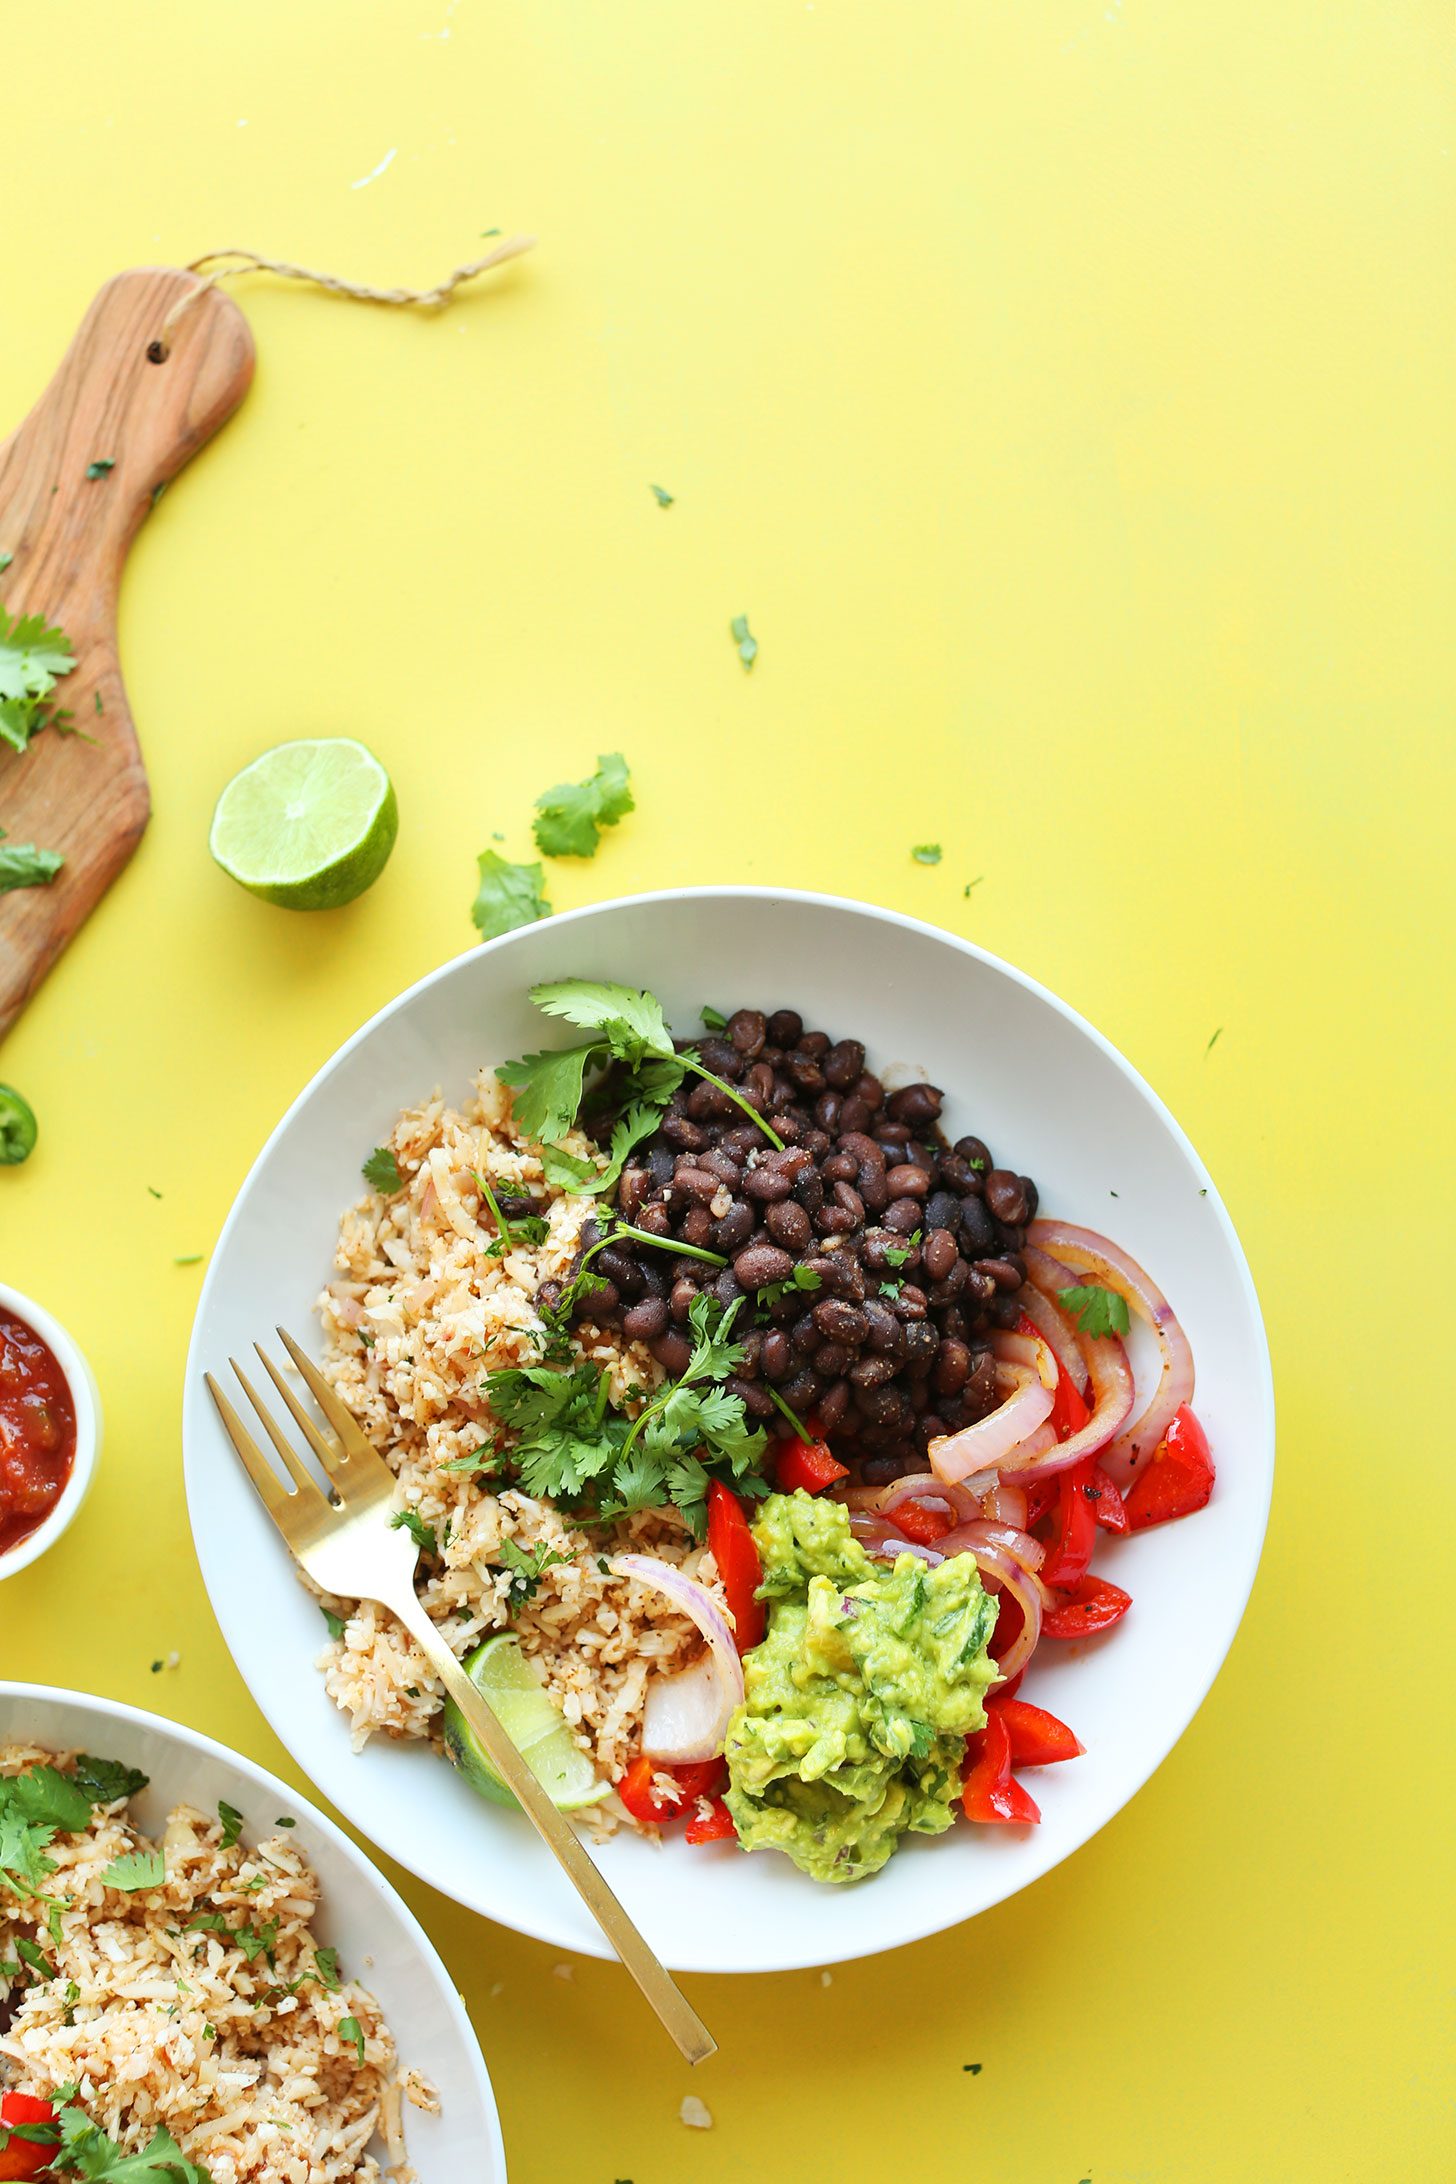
(1111, 1398)
(996, 1562)
(1008, 1504)
(890, 1550)
(686, 1716)
(874, 1532)
(1093, 1253)
(989, 1443)
(961, 1505)
(1029, 1552)
(1029, 1351)
(1054, 1326)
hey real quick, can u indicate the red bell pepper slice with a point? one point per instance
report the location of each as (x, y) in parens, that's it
(990, 1792)
(1108, 1506)
(1075, 1531)
(922, 1524)
(807, 1464)
(643, 1790)
(732, 1546)
(1090, 1606)
(1040, 1497)
(1179, 1478)
(714, 1826)
(1037, 1737)
(1009, 1621)
(25, 2157)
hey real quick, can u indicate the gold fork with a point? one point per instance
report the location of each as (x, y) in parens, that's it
(345, 1543)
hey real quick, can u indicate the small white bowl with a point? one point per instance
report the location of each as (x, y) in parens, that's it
(86, 1401)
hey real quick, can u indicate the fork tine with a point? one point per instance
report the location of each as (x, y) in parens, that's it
(302, 1478)
(346, 1426)
(328, 1454)
(273, 1494)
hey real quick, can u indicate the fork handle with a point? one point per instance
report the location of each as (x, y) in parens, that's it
(687, 2029)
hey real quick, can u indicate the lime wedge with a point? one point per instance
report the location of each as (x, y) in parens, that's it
(309, 825)
(509, 1684)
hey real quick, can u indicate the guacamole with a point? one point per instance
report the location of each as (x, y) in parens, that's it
(860, 1698)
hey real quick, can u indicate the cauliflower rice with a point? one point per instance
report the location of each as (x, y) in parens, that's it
(415, 1316)
(157, 2023)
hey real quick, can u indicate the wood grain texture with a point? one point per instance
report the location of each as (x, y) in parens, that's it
(69, 536)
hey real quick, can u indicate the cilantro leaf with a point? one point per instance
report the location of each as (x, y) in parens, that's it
(105, 1780)
(23, 865)
(102, 466)
(509, 895)
(23, 1862)
(567, 1173)
(803, 1277)
(926, 853)
(139, 1869)
(257, 1942)
(35, 1958)
(409, 1520)
(664, 499)
(326, 1968)
(712, 1019)
(47, 1798)
(747, 643)
(381, 1171)
(1097, 1311)
(91, 2155)
(573, 813)
(628, 1021)
(527, 1568)
(350, 2029)
(897, 1254)
(548, 1090)
(485, 1458)
(232, 1823)
(32, 657)
(335, 1622)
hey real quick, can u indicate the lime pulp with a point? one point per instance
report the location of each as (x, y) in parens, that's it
(511, 1688)
(308, 825)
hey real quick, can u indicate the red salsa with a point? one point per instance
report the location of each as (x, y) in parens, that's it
(37, 1431)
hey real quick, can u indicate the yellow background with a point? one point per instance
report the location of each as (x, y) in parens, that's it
(1065, 393)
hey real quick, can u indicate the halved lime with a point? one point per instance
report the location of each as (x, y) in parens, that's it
(309, 825)
(509, 1684)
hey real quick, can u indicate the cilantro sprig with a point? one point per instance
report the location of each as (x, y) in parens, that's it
(628, 1028)
(575, 1450)
(527, 1568)
(86, 2152)
(381, 1171)
(509, 895)
(33, 658)
(22, 864)
(1097, 1311)
(573, 814)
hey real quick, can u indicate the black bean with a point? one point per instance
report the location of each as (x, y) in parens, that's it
(873, 1371)
(696, 1226)
(1002, 1272)
(977, 1230)
(789, 1225)
(767, 1184)
(833, 1404)
(805, 1073)
(631, 1191)
(916, 1104)
(839, 1168)
(953, 1287)
(815, 1143)
(826, 1111)
(785, 1027)
(706, 1101)
(809, 1190)
(921, 1349)
(979, 1397)
(661, 1166)
(761, 1264)
(835, 1220)
(618, 1266)
(871, 1091)
(833, 1359)
(855, 1113)
(733, 1229)
(680, 1303)
(775, 1359)
(758, 1085)
(844, 1064)
(907, 1180)
(1009, 1239)
(943, 1210)
(695, 1184)
(904, 1215)
(878, 1406)
(1032, 1196)
(881, 1470)
(748, 1029)
(883, 1330)
(847, 1280)
(930, 1426)
(654, 1220)
(839, 1321)
(952, 1368)
(911, 1302)
(646, 1321)
(548, 1296)
(673, 1351)
(756, 1400)
(656, 1281)
(1004, 1195)
(742, 1140)
(938, 1254)
(685, 1135)
(958, 1175)
(719, 1163)
(726, 1287)
(1003, 1311)
(800, 1392)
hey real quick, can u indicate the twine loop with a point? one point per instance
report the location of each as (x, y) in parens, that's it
(248, 261)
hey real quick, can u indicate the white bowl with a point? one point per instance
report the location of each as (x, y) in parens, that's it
(380, 1942)
(86, 1401)
(1054, 1100)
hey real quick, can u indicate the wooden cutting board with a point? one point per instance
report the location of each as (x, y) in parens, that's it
(69, 535)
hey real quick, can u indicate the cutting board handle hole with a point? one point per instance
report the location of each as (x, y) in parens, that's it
(157, 352)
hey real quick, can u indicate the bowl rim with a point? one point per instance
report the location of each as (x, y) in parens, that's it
(1241, 1579)
(369, 1873)
(86, 1402)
